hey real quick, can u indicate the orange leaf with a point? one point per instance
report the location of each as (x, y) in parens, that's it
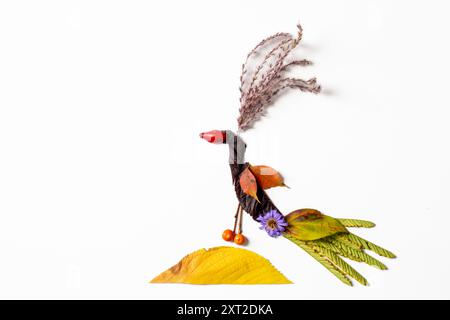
(267, 177)
(248, 183)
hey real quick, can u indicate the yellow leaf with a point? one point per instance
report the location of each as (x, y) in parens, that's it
(222, 265)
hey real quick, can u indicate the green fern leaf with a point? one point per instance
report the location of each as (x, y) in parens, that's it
(341, 264)
(339, 249)
(370, 246)
(354, 254)
(354, 223)
(345, 241)
(321, 259)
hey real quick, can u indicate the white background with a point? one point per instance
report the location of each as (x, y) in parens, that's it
(104, 182)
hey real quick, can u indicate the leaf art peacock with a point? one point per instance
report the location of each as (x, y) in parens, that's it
(326, 239)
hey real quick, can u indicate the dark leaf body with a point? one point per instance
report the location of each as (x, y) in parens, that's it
(250, 205)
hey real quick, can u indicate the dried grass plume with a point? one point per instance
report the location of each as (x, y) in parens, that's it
(260, 84)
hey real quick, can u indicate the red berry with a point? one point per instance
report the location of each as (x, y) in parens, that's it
(239, 239)
(228, 235)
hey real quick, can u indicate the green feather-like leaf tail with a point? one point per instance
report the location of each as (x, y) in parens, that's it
(329, 250)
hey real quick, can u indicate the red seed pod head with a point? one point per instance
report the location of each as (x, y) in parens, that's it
(214, 136)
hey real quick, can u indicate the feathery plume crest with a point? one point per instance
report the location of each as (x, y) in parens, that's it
(267, 79)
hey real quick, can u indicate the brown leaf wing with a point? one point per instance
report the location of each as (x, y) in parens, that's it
(267, 177)
(248, 183)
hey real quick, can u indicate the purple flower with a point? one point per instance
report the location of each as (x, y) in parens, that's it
(273, 222)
